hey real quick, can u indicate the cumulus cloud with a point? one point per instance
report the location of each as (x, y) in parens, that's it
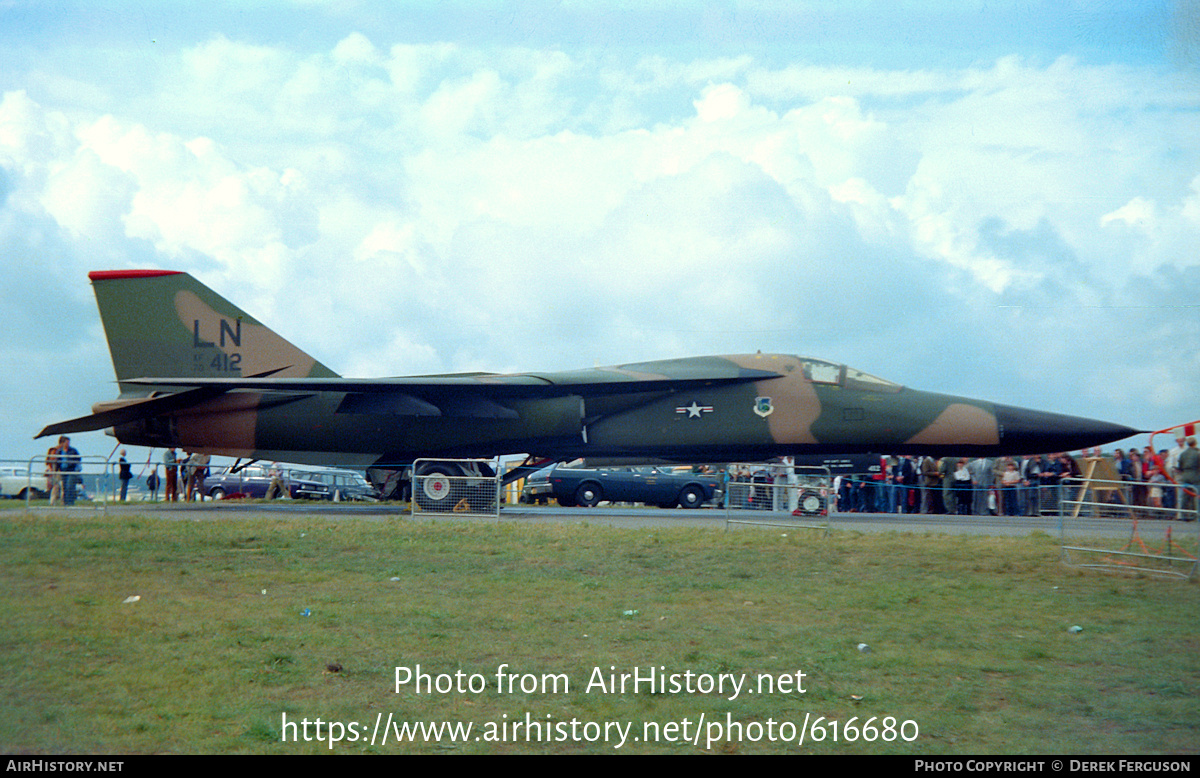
(999, 230)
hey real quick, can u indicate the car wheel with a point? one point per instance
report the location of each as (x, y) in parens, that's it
(217, 493)
(691, 497)
(588, 495)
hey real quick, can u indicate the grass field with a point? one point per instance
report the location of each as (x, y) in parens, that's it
(970, 641)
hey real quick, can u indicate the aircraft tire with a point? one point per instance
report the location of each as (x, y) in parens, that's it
(588, 494)
(432, 490)
(811, 503)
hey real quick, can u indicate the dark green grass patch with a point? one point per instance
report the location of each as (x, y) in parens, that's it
(238, 622)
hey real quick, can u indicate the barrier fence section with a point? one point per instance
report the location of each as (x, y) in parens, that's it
(1123, 526)
(777, 495)
(81, 483)
(460, 486)
(867, 495)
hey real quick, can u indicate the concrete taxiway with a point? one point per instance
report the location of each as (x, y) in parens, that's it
(612, 516)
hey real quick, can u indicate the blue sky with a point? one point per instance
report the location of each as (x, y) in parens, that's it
(999, 200)
(875, 32)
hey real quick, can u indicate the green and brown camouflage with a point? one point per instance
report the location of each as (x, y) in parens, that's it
(197, 372)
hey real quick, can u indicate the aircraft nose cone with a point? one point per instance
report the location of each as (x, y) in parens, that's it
(1024, 431)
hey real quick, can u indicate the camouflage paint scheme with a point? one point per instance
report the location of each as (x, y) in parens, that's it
(197, 372)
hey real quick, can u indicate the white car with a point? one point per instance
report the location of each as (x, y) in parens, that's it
(15, 481)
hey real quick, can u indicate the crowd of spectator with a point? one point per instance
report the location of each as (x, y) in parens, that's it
(1025, 486)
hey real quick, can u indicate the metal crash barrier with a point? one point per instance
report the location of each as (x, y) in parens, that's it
(779, 495)
(1123, 526)
(457, 486)
(83, 483)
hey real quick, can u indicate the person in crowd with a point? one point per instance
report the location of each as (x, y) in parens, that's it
(1189, 477)
(879, 487)
(1031, 476)
(1158, 482)
(69, 463)
(963, 487)
(946, 468)
(903, 477)
(860, 495)
(53, 474)
(1051, 471)
(981, 480)
(152, 484)
(124, 475)
(197, 471)
(931, 500)
(185, 475)
(1168, 462)
(277, 488)
(171, 474)
(1124, 470)
(1137, 480)
(1010, 481)
(1069, 479)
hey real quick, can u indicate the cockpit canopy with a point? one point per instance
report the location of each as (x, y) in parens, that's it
(818, 371)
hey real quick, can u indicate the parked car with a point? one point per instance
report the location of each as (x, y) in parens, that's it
(254, 481)
(537, 489)
(342, 484)
(588, 487)
(15, 482)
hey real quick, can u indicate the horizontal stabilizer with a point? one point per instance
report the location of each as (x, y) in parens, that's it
(133, 411)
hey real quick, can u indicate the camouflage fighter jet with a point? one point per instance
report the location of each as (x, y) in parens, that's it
(197, 372)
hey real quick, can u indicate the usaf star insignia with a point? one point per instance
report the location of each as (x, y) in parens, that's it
(694, 410)
(763, 407)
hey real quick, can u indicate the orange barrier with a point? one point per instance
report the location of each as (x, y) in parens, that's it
(1188, 430)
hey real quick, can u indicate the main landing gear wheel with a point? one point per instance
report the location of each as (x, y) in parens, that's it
(433, 493)
(811, 503)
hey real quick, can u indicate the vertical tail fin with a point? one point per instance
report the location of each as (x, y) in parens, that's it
(162, 323)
